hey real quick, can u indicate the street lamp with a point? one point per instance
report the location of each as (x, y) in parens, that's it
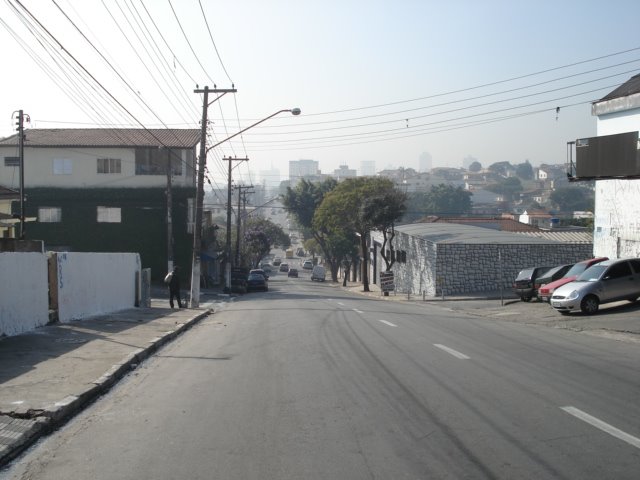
(195, 267)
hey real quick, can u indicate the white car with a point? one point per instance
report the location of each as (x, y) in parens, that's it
(604, 282)
(307, 265)
(318, 273)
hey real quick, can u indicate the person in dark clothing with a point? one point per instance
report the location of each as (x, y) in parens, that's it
(174, 287)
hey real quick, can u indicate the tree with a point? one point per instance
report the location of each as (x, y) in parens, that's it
(385, 210)
(475, 166)
(524, 170)
(500, 168)
(440, 199)
(260, 236)
(571, 199)
(509, 187)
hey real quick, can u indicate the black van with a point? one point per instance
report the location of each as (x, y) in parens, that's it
(524, 284)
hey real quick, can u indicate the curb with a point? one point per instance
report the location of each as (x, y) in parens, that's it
(19, 433)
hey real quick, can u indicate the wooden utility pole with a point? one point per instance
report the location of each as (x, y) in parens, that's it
(202, 161)
(242, 197)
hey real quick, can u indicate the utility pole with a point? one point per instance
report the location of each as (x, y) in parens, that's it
(242, 196)
(20, 130)
(202, 161)
(169, 215)
(227, 264)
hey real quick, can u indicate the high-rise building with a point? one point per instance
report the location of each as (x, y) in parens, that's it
(367, 168)
(425, 162)
(270, 178)
(344, 172)
(302, 168)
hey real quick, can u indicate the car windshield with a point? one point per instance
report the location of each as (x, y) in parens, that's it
(576, 270)
(525, 274)
(256, 276)
(591, 274)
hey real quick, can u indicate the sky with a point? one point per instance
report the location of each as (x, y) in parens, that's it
(377, 81)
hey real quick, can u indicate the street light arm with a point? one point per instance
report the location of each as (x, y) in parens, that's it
(294, 111)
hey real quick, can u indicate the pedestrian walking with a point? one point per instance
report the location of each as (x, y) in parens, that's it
(174, 287)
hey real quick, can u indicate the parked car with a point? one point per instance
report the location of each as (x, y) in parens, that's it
(256, 281)
(551, 275)
(604, 282)
(545, 291)
(293, 272)
(307, 265)
(284, 267)
(260, 271)
(239, 280)
(277, 261)
(524, 284)
(318, 273)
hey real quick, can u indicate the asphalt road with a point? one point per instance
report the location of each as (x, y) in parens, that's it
(308, 381)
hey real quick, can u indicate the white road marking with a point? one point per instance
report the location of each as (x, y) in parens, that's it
(357, 311)
(388, 323)
(605, 427)
(340, 303)
(451, 351)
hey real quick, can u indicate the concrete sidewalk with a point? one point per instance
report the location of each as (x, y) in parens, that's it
(51, 373)
(618, 320)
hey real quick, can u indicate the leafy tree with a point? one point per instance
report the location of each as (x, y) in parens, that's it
(509, 187)
(385, 210)
(524, 170)
(500, 168)
(260, 236)
(440, 199)
(571, 199)
(475, 166)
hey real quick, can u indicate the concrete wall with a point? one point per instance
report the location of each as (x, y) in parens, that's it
(95, 283)
(617, 207)
(24, 303)
(457, 268)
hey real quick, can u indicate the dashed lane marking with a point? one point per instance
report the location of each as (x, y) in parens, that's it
(388, 323)
(451, 351)
(605, 427)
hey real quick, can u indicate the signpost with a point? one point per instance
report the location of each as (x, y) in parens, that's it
(387, 283)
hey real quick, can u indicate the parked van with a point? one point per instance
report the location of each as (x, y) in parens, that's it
(318, 273)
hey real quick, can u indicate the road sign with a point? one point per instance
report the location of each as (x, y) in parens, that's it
(387, 282)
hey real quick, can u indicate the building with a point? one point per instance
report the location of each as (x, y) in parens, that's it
(344, 172)
(105, 190)
(302, 169)
(617, 202)
(452, 259)
(367, 168)
(7, 220)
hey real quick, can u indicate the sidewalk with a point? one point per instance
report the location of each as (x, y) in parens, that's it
(51, 373)
(619, 320)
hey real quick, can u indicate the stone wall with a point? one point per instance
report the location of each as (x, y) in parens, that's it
(454, 268)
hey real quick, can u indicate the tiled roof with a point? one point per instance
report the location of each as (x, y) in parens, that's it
(567, 237)
(629, 87)
(8, 193)
(107, 137)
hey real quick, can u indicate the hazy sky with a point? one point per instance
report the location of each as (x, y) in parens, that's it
(382, 81)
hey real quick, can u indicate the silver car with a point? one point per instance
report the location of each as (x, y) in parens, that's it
(605, 282)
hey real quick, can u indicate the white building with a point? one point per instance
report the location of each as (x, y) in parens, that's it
(617, 206)
(302, 168)
(367, 168)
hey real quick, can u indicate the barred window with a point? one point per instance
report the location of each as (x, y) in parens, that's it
(49, 214)
(109, 215)
(11, 161)
(109, 165)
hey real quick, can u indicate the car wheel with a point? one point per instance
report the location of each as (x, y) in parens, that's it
(525, 299)
(589, 304)
(632, 299)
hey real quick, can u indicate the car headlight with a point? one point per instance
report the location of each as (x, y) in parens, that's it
(573, 295)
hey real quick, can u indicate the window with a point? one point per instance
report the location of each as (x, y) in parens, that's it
(154, 161)
(109, 215)
(11, 161)
(619, 270)
(62, 166)
(109, 165)
(49, 214)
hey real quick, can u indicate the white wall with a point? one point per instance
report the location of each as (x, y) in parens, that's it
(84, 170)
(617, 206)
(24, 301)
(95, 283)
